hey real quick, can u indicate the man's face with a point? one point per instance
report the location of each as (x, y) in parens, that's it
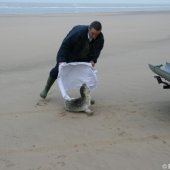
(93, 33)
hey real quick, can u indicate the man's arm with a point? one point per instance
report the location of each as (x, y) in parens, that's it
(64, 50)
(67, 46)
(94, 54)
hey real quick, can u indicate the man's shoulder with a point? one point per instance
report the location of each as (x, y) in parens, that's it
(80, 28)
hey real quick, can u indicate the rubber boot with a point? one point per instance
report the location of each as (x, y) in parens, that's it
(50, 82)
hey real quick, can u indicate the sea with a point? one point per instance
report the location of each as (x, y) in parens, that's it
(28, 8)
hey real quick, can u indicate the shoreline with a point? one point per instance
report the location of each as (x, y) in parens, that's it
(86, 14)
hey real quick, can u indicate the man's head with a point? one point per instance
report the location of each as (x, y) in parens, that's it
(95, 29)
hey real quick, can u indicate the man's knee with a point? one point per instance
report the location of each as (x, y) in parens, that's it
(54, 72)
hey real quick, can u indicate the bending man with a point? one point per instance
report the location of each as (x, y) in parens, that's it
(82, 44)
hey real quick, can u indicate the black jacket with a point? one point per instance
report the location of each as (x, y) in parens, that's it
(74, 43)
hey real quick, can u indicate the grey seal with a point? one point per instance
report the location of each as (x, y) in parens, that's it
(82, 103)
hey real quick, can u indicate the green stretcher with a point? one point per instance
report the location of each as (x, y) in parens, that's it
(163, 72)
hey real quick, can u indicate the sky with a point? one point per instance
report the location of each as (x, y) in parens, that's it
(94, 1)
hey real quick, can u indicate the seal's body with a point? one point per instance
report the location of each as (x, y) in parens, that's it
(82, 103)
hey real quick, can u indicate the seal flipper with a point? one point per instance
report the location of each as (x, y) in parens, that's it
(89, 112)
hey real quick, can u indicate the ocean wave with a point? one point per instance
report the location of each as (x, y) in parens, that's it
(26, 8)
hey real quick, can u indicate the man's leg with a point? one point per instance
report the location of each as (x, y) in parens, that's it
(51, 79)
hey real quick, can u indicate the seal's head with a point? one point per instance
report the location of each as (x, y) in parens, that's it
(84, 90)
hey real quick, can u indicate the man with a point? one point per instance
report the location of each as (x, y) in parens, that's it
(82, 44)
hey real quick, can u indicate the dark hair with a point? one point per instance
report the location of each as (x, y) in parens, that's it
(96, 25)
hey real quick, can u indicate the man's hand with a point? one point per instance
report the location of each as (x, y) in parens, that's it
(92, 63)
(61, 63)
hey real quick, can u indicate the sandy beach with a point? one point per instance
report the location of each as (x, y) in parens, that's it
(130, 128)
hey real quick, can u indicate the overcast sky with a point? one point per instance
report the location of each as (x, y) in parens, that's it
(94, 1)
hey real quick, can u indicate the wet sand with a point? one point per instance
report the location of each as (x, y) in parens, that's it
(131, 122)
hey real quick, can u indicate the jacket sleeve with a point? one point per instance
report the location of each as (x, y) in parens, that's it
(66, 46)
(95, 52)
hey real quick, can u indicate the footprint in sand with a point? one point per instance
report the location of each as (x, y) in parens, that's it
(42, 102)
(61, 157)
(6, 163)
(60, 161)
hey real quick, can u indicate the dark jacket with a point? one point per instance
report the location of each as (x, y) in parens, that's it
(75, 43)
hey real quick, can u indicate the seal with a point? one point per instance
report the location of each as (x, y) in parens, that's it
(82, 103)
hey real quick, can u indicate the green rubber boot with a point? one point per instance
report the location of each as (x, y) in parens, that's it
(50, 82)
